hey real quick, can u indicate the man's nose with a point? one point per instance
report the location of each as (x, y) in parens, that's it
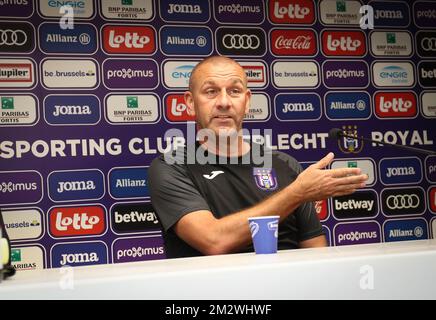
(223, 100)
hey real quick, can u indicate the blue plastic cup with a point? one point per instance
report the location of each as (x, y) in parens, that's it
(264, 232)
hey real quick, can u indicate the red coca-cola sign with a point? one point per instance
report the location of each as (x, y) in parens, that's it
(296, 42)
(321, 209)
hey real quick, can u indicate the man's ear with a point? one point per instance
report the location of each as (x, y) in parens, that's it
(189, 101)
(248, 102)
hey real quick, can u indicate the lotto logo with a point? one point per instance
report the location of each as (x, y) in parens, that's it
(129, 39)
(176, 109)
(395, 104)
(292, 11)
(343, 43)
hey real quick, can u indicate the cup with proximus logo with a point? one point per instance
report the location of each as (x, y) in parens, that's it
(264, 232)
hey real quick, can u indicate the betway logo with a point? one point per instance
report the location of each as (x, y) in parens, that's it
(135, 216)
(128, 39)
(361, 204)
(395, 104)
(354, 204)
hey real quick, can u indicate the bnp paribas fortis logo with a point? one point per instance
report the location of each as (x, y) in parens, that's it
(15, 255)
(349, 144)
(126, 2)
(7, 103)
(132, 102)
(390, 38)
(341, 6)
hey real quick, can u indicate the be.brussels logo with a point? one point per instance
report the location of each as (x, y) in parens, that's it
(256, 72)
(16, 37)
(128, 39)
(340, 12)
(130, 74)
(76, 185)
(259, 110)
(71, 73)
(238, 41)
(426, 44)
(347, 105)
(427, 73)
(430, 168)
(349, 144)
(77, 222)
(129, 218)
(192, 41)
(359, 205)
(400, 171)
(184, 11)
(297, 106)
(404, 230)
(81, 9)
(23, 224)
(17, 73)
(391, 43)
(76, 254)
(60, 110)
(18, 110)
(432, 199)
(17, 8)
(25, 258)
(403, 201)
(393, 74)
(127, 9)
(428, 104)
(295, 42)
(291, 11)
(20, 187)
(367, 166)
(392, 105)
(132, 108)
(424, 14)
(345, 74)
(321, 209)
(176, 109)
(390, 13)
(343, 43)
(128, 182)
(239, 11)
(176, 73)
(356, 233)
(295, 74)
(80, 40)
(138, 249)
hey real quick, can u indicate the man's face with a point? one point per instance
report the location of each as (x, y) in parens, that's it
(219, 98)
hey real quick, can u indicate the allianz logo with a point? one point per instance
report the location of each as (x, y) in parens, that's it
(417, 232)
(357, 236)
(73, 258)
(135, 252)
(176, 40)
(129, 39)
(184, 8)
(13, 187)
(135, 216)
(83, 38)
(352, 204)
(293, 11)
(340, 105)
(79, 221)
(76, 186)
(298, 107)
(344, 43)
(129, 183)
(400, 171)
(61, 110)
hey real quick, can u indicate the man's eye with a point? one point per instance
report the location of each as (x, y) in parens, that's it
(210, 92)
(235, 91)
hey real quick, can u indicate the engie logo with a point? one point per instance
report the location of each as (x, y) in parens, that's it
(17, 73)
(239, 11)
(191, 40)
(345, 74)
(132, 108)
(424, 14)
(347, 105)
(340, 12)
(128, 9)
(238, 41)
(79, 254)
(361, 204)
(428, 104)
(127, 183)
(80, 40)
(291, 11)
(23, 224)
(402, 230)
(177, 73)
(259, 108)
(367, 166)
(176, 109)
(82, 9)
(119, 39)
(16, 37)
(426, 43)
(256, 72)
(391, 44)
(403, 201)
(134, 218)
(296, 42)
(76, 185)
(393, 74)
(77, 221)
(295, 74)
(343, 43)
(297, 106)
(62, 110)
(356, 233)
(184, 10)
(395, 104)
(391, 13)
(138, 249)
(24, 187)
(400, 170)
(18, 110)
(20, 8)
(427, 73)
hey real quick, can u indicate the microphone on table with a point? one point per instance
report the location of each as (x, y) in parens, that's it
(336, 133)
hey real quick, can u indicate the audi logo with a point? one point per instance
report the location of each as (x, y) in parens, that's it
(241, 41)
(428, 44)
(12, 37)
(406, 201)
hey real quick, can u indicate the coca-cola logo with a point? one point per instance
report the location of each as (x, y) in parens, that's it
(176, 109)
(343, 43)
(395, 104)
(129, 39)
(321, 209)
(293, 42)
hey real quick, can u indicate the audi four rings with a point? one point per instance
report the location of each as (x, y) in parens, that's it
(241, 41)
(12, 37)
(405, 201)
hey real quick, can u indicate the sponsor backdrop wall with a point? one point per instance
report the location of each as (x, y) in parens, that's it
(84, 110)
